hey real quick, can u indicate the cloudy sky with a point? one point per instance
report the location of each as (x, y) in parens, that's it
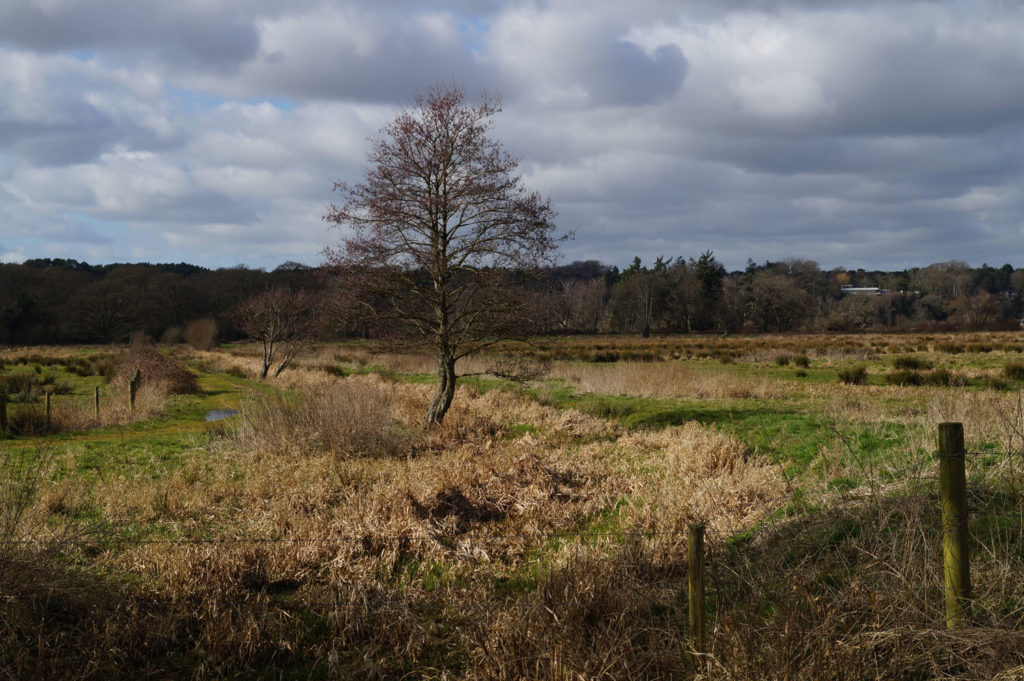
(855, 133)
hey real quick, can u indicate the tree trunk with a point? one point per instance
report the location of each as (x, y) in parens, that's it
(268, 354)
(445, 391)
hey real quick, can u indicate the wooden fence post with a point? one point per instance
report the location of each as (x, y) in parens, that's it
(96, 401)
(696, 584)
(133, 387)
(49, 396)
(955, 538)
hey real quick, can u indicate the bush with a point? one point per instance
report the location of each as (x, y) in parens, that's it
(904, 377)
(201, 334)
(1014, 371)
(855, 375)
(157, 368)
(172, 335)
(20, 387)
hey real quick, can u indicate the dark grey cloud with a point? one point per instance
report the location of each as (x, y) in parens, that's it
(353, 56)
(624, 74)
(199, 34)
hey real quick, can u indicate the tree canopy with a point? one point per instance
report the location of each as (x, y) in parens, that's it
(439, 230)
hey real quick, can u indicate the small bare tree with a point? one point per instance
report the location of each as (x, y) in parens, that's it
(440, 230)
(283, 320)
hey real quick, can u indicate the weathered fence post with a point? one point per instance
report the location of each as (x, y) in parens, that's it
(96, 401)
(49, 396)
(696, 583)
(133, 387)
(955, 539)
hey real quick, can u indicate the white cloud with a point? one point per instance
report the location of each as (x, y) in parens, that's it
(850, 133)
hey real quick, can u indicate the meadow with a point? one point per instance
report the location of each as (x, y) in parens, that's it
(539, 533)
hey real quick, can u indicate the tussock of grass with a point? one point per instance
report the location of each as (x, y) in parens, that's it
(349, 418)
(1014, 371)
(855, 375)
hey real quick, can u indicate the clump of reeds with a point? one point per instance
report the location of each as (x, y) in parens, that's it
(346, 418)
(855, 375)
(1014, 371)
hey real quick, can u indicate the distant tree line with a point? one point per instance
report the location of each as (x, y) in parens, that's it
(67, 301)
(698, 295)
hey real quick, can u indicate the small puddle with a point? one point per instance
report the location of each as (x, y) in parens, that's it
(218, 414)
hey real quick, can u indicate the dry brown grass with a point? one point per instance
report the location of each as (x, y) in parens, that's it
(329, 535)
(667, 379)
(447, 548)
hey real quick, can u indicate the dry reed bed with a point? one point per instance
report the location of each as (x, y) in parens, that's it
(665, 380)
(764, 347)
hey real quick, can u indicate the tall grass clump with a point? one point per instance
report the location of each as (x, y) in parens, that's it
(348, 418)
(910, 363)
(855, 375)
(1014, 371)
(905, 377)
(944, 378)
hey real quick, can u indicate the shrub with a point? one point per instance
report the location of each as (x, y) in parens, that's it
(904, 377)
(855, 375)
(1014, 371)
(172, 335)
(20, 387)
(157, 368)
(201, 334)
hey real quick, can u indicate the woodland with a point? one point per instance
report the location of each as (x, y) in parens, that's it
(59, 301)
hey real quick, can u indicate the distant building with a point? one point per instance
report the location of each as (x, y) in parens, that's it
(864, 291)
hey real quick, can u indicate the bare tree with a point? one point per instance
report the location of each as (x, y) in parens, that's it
(284, 321)
(441, 227)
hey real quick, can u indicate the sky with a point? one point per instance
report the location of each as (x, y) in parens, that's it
(881, 135)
